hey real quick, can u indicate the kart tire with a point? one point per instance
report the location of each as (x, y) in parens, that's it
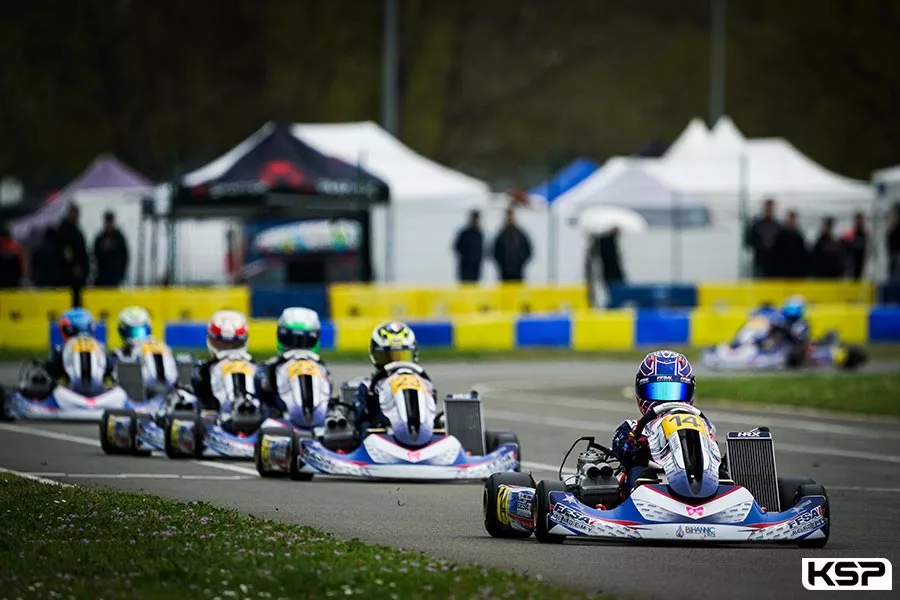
(494, 438)
(171, 450)
(294, 454)
(795, 357)
(542, 510)
(107, 446)
(257, 450)
(489, 503)
(856, 356)
(5, 415)
(814, 489)
(789, 487)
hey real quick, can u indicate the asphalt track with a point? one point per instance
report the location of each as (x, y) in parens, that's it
(548, 405)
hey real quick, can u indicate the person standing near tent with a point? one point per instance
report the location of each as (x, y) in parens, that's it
(12, 259)
(512, 250)
(760, 238)
(789, 254)
(469, 248)
(74, 253)
(893, 245)
(828, 254)
(110, 253)
(856, 240)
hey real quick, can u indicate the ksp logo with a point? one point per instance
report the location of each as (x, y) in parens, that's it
(875, 574)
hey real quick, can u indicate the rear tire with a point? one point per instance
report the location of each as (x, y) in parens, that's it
(489, 503)
(856, 356)
(107, 446)
(542, 511)
(257, 450)
(494, 438)
(789, 487)
(171, 450)
(294, 454)
(814, 489)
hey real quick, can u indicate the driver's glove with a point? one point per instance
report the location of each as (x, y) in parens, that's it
(626, 446)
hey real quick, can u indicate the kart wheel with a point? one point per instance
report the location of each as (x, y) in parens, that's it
(294, 453)
(795, 357)
(5, 415)
(105, 443)
(788, 488)
(172, 450)
(814, 489)
(257, 450)
(855, 357)
(490, 508)
(494, 438)
(542, 511)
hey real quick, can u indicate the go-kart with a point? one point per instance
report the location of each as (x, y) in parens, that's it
(686, 495)
(83, 394)
(754, 348)
(414, 441)
(181, 429)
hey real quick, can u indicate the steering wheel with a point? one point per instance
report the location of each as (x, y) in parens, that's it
(660, 409)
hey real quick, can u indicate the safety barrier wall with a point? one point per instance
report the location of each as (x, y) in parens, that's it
(617, 329)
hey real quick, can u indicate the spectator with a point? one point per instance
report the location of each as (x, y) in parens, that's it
(760, 238)
(608, 252)
(469, 248)
(789, 253)
(511, 250)
(12, 260)
(111, 254)
(893, 246)
(74, 253)
(856, 241)
(828, 254)
(46, 264)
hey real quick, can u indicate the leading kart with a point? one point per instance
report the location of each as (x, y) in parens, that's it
(413, 442)
(84, 395)
(754, 348)
(182, 429)
(688, 494)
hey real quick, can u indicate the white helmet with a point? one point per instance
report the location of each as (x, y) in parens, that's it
(134, 324)
(227, 331)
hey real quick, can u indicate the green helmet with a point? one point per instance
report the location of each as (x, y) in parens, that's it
(299, 329)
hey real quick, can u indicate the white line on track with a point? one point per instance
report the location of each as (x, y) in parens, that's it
(139, 476)
(35, 478)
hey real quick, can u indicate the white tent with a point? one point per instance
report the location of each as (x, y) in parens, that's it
(411, 177)
(888, 182)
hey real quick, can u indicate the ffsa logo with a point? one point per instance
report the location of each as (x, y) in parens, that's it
(875, 574)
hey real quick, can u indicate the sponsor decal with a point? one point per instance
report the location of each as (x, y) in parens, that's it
(694, 511)
(754, 434)
(570, 517)
(413, 456)
(303, 367)
(524, 503)
(503, 505)
(808, 521)
(701, 531)
(874, 574)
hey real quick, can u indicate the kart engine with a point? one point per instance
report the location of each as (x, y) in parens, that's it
(597, 482)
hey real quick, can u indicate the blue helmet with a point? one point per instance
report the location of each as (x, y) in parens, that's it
(664, 376)
(794, 308)
(76, 321)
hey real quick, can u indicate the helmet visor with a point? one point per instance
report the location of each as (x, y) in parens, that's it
(235, 344)
(383, 357)
(665, 391)
(137, 333)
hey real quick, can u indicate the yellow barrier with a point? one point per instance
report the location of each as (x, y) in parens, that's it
(851, 322)
(32, 335)
(24, 305)
(710, 327)
(603, 330)
(484, 332)
(747, 294)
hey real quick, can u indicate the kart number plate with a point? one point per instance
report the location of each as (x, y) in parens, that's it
(237, 367)
(153, 347)
(406, 381)
(674, 423)
(303, 367)
(84, 345)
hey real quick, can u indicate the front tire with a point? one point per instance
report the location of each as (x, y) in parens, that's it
(542, 511)
(105, 443)
(294, 454)
(489, 503)
(172, 450)
(257, 451)
(814, 489)
(494, 438)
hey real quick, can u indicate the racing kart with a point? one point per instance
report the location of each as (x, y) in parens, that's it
(688, 494)
(414, 441)
(83, 394)
(753, 348)
(180, 428)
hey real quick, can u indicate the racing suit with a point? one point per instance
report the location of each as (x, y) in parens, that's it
(634, 452)
(54, 365)
(795, 331)
(267, 380)
(202, 384)
(366, 402)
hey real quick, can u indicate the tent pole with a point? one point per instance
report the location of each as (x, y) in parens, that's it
(717, 62)
(389, 68)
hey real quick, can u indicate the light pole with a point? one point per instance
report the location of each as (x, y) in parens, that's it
(389, 68)
(717, 62)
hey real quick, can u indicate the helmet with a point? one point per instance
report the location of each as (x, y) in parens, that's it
(227, 330)
(664, 376)
(76, 321)
(298, 329)
(134, 324)
(393, 341)
(794, 308)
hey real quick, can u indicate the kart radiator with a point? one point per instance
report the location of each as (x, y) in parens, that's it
(131, 379)
(751, 464)
(185, 371)
(464, 421)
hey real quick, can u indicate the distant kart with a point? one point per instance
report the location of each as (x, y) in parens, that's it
(751, 350)
(416, 443)
(182, 430)
(83, 396)
(686, 496)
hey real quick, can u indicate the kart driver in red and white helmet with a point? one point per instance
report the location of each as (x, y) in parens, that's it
(227, 335)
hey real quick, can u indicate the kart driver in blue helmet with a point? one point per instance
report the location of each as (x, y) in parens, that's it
(663, 376)
(792, 325)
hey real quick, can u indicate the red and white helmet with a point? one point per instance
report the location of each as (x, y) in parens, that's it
(227, 331)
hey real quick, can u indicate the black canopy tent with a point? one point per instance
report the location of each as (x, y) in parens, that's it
(272, 174)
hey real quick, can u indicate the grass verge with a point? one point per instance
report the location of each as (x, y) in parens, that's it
(75, 542)
(865, 393)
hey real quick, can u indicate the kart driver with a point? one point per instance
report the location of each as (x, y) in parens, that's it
(298, 329)
(74, 322)
(792, 325)
(664, 376)
(134, 326)
(391, 341)
(226, 338)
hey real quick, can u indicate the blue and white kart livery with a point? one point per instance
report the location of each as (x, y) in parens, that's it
(412, 444)
(182, 430)
(84, 395)
(684, 497)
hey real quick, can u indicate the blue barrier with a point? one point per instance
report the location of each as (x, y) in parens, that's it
(884, 324)
(655, 327)
(652, 296)
(269, 302)
(543, 331)
(433, 334)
